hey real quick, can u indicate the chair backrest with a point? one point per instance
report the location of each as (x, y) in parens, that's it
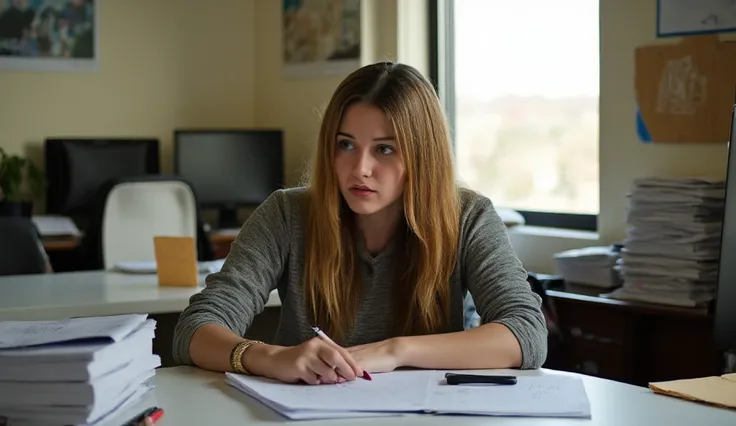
(136, 211)
(21, 249)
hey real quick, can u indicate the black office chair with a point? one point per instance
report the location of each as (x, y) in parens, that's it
(92, 245)
(21, 249)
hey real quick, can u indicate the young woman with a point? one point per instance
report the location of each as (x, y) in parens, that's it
(378, 250)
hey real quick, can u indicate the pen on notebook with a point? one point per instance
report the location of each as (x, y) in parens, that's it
(324, 336)
(467, 379)
(154, 413)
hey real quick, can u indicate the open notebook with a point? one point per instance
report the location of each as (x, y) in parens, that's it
(425, 391)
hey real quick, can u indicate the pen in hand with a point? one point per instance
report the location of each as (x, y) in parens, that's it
(326, 338)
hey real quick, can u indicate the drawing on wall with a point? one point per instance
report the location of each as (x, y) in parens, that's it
(48, 35)
(687, 17)
(684, 91)
(682, 88)
(321, 37)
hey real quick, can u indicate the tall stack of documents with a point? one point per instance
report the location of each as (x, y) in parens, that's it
(74, 372)
(423, 391)
(673, 241)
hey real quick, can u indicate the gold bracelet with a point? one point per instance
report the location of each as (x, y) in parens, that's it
(236, 356)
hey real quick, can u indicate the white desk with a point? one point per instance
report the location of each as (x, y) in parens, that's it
(92, 293)
(190, 396)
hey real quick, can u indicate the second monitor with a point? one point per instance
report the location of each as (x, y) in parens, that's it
(230, 168)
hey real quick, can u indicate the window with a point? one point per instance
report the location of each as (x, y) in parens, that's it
(519, 80)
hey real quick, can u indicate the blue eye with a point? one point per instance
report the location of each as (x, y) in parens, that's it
(345, 144)
(385, 149)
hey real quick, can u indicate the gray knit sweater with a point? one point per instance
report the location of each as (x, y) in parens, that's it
(269, 254)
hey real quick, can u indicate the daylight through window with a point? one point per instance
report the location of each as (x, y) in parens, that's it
(526, 102)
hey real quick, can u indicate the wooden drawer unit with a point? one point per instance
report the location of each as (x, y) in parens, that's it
(596, 340)
(632, 342)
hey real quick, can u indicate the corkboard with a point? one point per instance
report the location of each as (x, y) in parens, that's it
(685, 92)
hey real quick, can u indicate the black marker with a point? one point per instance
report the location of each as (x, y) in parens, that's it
(465, 379)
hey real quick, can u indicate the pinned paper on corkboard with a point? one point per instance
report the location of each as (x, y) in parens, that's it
(176, 261)
(685, 92)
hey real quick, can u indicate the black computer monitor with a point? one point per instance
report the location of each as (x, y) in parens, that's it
(76, 168)
(230, 168)
(725, 303)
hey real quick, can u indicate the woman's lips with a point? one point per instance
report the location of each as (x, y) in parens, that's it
(362, 192)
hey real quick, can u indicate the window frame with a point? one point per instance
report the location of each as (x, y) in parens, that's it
(441, 74)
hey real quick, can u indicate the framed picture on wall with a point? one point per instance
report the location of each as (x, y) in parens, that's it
(48, 35)
(320, 37)
(677, 18)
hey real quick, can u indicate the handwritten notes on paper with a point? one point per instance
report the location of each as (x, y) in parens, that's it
(548, 395)
(683, 17)
(387, 392)
(538, 396)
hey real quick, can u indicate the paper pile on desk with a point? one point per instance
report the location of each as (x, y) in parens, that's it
(398, 392)
(593, 266)
(74, 372)
(55, 226)
(203, 267)
(673, 241)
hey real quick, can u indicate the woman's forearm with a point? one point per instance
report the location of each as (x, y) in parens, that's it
(211, 346)
(487, 346)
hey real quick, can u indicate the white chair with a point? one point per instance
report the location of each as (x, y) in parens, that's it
(137, 211)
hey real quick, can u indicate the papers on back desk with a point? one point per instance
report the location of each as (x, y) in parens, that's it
(547, 395)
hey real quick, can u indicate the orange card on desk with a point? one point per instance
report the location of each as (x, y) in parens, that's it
(176, 261)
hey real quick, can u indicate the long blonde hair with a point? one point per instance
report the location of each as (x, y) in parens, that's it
(429, 234)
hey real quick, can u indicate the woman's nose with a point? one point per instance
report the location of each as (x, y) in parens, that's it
(363, 166)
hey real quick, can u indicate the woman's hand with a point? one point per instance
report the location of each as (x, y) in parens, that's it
(378, 357)
(314, 361)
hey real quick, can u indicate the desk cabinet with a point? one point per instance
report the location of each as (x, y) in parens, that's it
(632, 342)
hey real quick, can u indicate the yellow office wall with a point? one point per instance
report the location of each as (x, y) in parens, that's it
(163, 64)
(294, 104)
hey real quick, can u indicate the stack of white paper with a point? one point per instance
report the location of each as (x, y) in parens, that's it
(55, 226)
(74, 372)
(673, 241)
(150, 267)
(400, 392)
(593, 266)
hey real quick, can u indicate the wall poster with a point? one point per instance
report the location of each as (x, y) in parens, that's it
(320, 37)
(48, 35)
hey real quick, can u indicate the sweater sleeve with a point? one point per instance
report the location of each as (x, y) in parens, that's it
(497, 281)
(239, 292)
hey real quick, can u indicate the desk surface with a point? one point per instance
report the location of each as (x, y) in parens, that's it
(612, 404)
(91, 293)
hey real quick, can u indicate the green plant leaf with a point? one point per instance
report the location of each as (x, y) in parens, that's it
(15, 171)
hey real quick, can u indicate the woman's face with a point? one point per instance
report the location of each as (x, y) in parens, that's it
(369, 169)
